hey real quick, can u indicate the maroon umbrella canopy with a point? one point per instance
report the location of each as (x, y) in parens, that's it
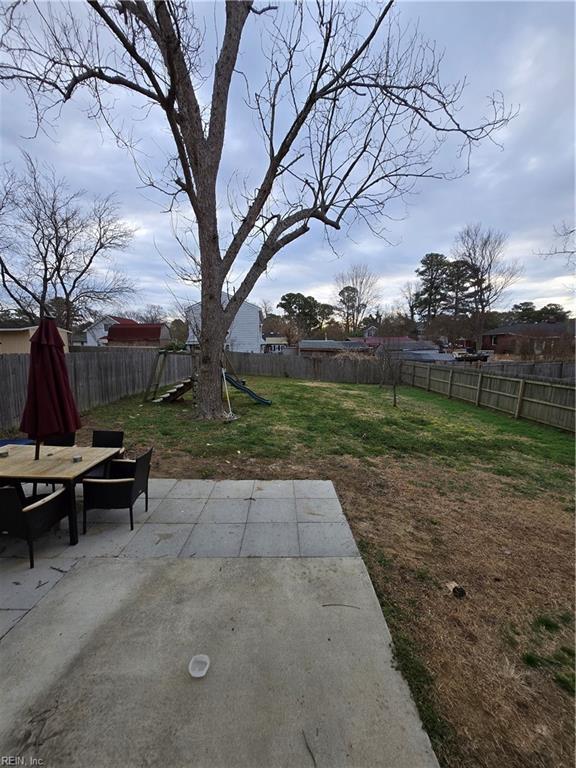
(50, 408)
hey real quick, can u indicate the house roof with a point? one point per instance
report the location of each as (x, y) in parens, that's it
(329, 344)
(123, 320)
(135, 332)
(531, 329)
(398, 342)
(28, 328)
(118, 320)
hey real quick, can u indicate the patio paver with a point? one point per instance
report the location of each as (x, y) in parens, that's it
(270, 540)
(157, 540)
(272, 511)
(177, 511)
(326, 540)
(191, 489)
(214, 540)
(319, 511)
(225, 511)
(232, 489)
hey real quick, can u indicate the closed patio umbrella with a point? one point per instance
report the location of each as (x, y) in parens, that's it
(50, 408)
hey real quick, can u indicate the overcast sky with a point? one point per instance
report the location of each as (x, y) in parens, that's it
(525, 188)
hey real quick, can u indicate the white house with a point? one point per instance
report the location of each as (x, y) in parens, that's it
(245, 334)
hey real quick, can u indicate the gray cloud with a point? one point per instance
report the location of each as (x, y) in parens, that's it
(523, 188)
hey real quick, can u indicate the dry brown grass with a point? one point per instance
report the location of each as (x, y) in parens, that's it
(421, 526)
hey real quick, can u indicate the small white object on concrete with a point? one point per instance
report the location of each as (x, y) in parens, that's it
(199, 665)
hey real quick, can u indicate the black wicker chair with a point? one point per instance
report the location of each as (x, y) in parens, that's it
(102, 438)
(67, 439)
(29, 518)
(127, 480)
(106, 438)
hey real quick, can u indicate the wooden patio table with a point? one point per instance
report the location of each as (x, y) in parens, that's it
(55, 465)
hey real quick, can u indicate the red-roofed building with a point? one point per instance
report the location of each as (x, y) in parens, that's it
(138, 335)
(96, 334)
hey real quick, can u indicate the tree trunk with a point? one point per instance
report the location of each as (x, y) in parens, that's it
(212, 337)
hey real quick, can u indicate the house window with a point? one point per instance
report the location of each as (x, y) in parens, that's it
(494, 340)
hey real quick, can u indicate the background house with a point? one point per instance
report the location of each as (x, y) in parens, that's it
(245, 334)
(329, 347)
(274, 344)
(533, 340)
(14, 341)
(138, 335)
(96, 334)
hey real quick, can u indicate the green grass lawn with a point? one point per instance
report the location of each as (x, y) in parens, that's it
(322, 420)
(434, 490)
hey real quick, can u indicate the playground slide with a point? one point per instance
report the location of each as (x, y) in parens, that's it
(238, 385)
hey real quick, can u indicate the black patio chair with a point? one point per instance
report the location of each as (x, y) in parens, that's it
(29, 518)
(67, 440)
(102, 438)
(127, 481)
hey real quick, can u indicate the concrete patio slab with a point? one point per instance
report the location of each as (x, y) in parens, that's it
(273, 489)
(270, 540)
(319, 511)
(301, 669)
(314, 489)
(214, 540)
(101, 540)
(177, 511)
(122, 515)
(160, 487)
(191, 489)
(21, 588)
(9, 617)
(225, 511)
(158, 540)
(272, 511)
(232, 489)
(326, 540)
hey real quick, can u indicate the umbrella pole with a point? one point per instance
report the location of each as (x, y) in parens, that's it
(37, 451)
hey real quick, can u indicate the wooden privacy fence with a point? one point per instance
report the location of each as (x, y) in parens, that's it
(97, 376)
(544, 402)
(343, 370)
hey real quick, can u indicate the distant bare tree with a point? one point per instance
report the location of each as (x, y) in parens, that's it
(351, 107)
(358, 294)
(566, 244)
(53, 247)
(390, 368)
(266, 307)
(409, 293)
(483, 251)
(151, 313)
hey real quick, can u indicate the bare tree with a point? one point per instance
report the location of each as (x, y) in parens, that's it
(358, 294)
(490, 274)
(390, 364)
(151, 313)
(351, 109)
(409, 293)
(53, 250)
(565, 244)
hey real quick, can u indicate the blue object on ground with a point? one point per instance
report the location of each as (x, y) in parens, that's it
(243, 388)
(16, 441)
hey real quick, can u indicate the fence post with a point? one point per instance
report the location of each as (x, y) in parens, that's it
(479, 388)
(413, 373)
(428, 379)
(522, 384)
(450, 382)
